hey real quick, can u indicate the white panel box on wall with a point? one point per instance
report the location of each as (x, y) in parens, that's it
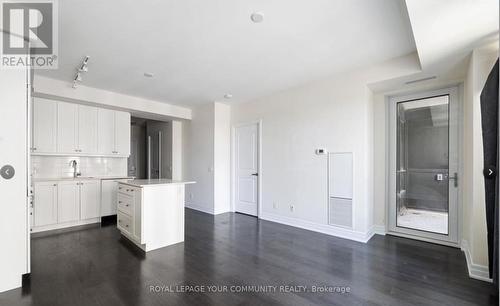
(340, 189)
(340, 175)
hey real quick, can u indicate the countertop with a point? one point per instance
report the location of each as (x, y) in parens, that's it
(81, 178)
(155, 182)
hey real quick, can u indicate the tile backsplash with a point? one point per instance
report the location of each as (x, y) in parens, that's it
(60, 167)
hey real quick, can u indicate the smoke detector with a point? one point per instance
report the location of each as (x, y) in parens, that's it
(257, 17)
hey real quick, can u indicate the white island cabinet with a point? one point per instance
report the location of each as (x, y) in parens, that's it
(151, 212)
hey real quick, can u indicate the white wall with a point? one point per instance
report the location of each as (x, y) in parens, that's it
(207, 147)
(222, 157)
(334, 114)
(199, 153)
(474, 230)
(13, 204)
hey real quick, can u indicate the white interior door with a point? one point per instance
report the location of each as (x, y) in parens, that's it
(247, 165)
(423, 174)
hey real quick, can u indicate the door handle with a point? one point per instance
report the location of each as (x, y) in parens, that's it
(455, 179)
(255, 174)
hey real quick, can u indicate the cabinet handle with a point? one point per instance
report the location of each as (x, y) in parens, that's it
(34, 149)
(126, 225)
(127, 205)
(119, 201)
(54, 185)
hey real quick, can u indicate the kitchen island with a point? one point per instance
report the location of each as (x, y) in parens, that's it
(151, 212)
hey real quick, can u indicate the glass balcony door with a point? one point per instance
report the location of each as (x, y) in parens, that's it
(424, 171)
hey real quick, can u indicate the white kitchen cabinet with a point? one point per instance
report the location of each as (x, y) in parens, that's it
(151, 212)
(44, 126)
(67, 126)
(68, 201)
(109, 190)
(89, 200)
(45, 203)
(76, 128)
(87, 129)
(122, 133)
(71, 129)
(106, 136)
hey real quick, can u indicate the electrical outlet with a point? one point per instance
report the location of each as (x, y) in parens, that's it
(275, 205)
(292, 207)
(191, 196)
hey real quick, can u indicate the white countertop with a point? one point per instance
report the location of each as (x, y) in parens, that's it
(155, 182)
(81, 178)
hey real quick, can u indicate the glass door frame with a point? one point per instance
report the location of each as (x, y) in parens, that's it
(454, 215)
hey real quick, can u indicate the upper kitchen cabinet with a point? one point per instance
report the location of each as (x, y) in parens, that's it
(76, 128)
(87, 129)
(114, 132)
(61, 128)
(67, 126)
(122, 133)
(106, 126)
(44, 126)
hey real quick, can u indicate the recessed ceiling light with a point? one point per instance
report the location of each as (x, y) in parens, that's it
(257, 17)
(228, 96)
(148, 74)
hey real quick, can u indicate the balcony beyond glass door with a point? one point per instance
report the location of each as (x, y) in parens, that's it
(422, 166)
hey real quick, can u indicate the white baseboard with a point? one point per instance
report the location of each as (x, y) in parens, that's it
(320, 228)
(476, 271)
(379, 230)
(199, 208)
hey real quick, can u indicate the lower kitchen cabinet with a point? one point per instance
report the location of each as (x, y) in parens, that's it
(59, 204)
(89, 199)
(68, 202)
(45, 209)
(109, 190)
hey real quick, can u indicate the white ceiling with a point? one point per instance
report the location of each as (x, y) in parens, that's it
(444, 29)
(445, 32)
(198, 50)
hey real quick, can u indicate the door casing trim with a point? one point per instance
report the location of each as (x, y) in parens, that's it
(455, 92)
(259, 167)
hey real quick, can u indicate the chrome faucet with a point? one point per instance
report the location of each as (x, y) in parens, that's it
(74, 164)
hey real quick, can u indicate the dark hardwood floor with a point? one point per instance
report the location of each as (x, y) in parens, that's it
(95, 266)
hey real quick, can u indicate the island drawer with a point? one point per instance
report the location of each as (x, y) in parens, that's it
(124, 223)
(125, 204)
(125, 189)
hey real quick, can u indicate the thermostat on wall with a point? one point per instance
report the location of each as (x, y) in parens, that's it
(321, 151)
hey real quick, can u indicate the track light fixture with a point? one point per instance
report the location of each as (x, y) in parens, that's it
(81, 69)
